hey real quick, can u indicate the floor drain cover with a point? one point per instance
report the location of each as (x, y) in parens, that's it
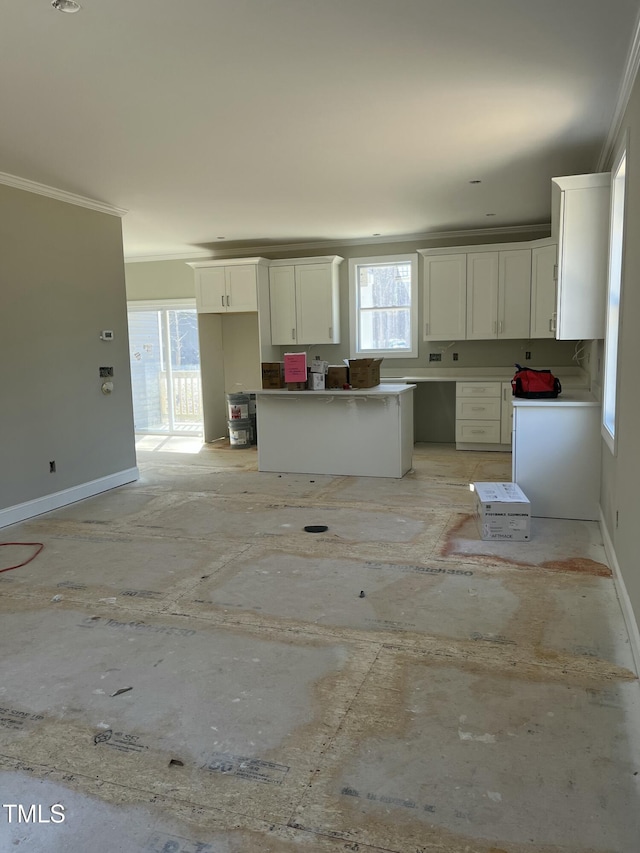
(316, 528)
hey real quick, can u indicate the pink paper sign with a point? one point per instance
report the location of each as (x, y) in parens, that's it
(295, 367)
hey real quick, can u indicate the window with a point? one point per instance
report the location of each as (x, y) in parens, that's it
(616, 243)
(384, 306)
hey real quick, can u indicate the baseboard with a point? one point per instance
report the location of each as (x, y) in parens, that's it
(29, 509)
(625, 603)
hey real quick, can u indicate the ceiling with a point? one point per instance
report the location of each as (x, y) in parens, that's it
(230, 123)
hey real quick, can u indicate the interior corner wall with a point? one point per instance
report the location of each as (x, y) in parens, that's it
(61, 284)
(621, 472)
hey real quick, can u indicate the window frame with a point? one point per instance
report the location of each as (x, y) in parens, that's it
(613, 321)
(410, 258)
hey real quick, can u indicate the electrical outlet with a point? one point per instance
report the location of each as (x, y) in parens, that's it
(527, 355)
(455, 356)
(435, 356)
(52, 466)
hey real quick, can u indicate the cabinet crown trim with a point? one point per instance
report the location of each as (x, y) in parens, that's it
(487, 247)
(227, 262)
(322, 259)
(580, 182)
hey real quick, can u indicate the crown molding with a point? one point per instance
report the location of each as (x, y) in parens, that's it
(539, 230)
(628, 79)
(59, 195)
(173, 256)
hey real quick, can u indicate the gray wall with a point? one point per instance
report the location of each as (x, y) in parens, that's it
(61, 283)
(621, 473)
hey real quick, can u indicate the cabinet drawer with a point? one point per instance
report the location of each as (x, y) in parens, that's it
(478, 389)
(478, 432)
(470, 408)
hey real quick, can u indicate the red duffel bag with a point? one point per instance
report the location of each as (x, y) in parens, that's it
(534, 384)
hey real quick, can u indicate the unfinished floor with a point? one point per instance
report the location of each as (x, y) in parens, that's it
(185, 670)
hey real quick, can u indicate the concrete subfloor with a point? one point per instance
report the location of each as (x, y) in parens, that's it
(185, 670)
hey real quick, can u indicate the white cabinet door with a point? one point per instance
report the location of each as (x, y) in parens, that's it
(282, 301)
(316, 302)
(482, 295)
(221, 289)
(580, 221)
(211, 291)
(445, 297)
(241, 286)
(543, 291)
(506, 421)
(514, 294)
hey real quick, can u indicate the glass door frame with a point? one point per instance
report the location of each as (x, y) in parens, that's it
(165, 305)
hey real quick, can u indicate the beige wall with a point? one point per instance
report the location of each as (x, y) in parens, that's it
(61, 283)
(621, 473)
(174, 279)
(159, 280)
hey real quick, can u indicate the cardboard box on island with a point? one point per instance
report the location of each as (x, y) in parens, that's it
(273, 374)
(364, 372)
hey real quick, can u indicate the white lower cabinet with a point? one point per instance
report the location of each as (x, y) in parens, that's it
(482, 416)
(556, 455)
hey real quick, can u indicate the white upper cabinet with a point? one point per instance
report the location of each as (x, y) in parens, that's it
(498, 294)
(304, 301)
(482, 295)
(227, 286)
(543, 291)
(514, 293)
(580, 224)
(445, 297)
(282, 300)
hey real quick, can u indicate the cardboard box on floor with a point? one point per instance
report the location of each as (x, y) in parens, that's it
(364, 372)
(503, 512)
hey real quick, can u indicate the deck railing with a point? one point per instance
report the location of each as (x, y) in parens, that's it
(187, 397)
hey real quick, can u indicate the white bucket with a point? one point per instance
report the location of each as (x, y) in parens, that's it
(237, 407)
(240, 433)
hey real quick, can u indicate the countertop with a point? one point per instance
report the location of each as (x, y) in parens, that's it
(569, 376)
(383, 390)
(571, 397)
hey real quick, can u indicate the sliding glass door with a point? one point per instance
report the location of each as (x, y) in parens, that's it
(165, 368)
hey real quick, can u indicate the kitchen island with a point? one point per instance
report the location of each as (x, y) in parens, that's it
(363, 432)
